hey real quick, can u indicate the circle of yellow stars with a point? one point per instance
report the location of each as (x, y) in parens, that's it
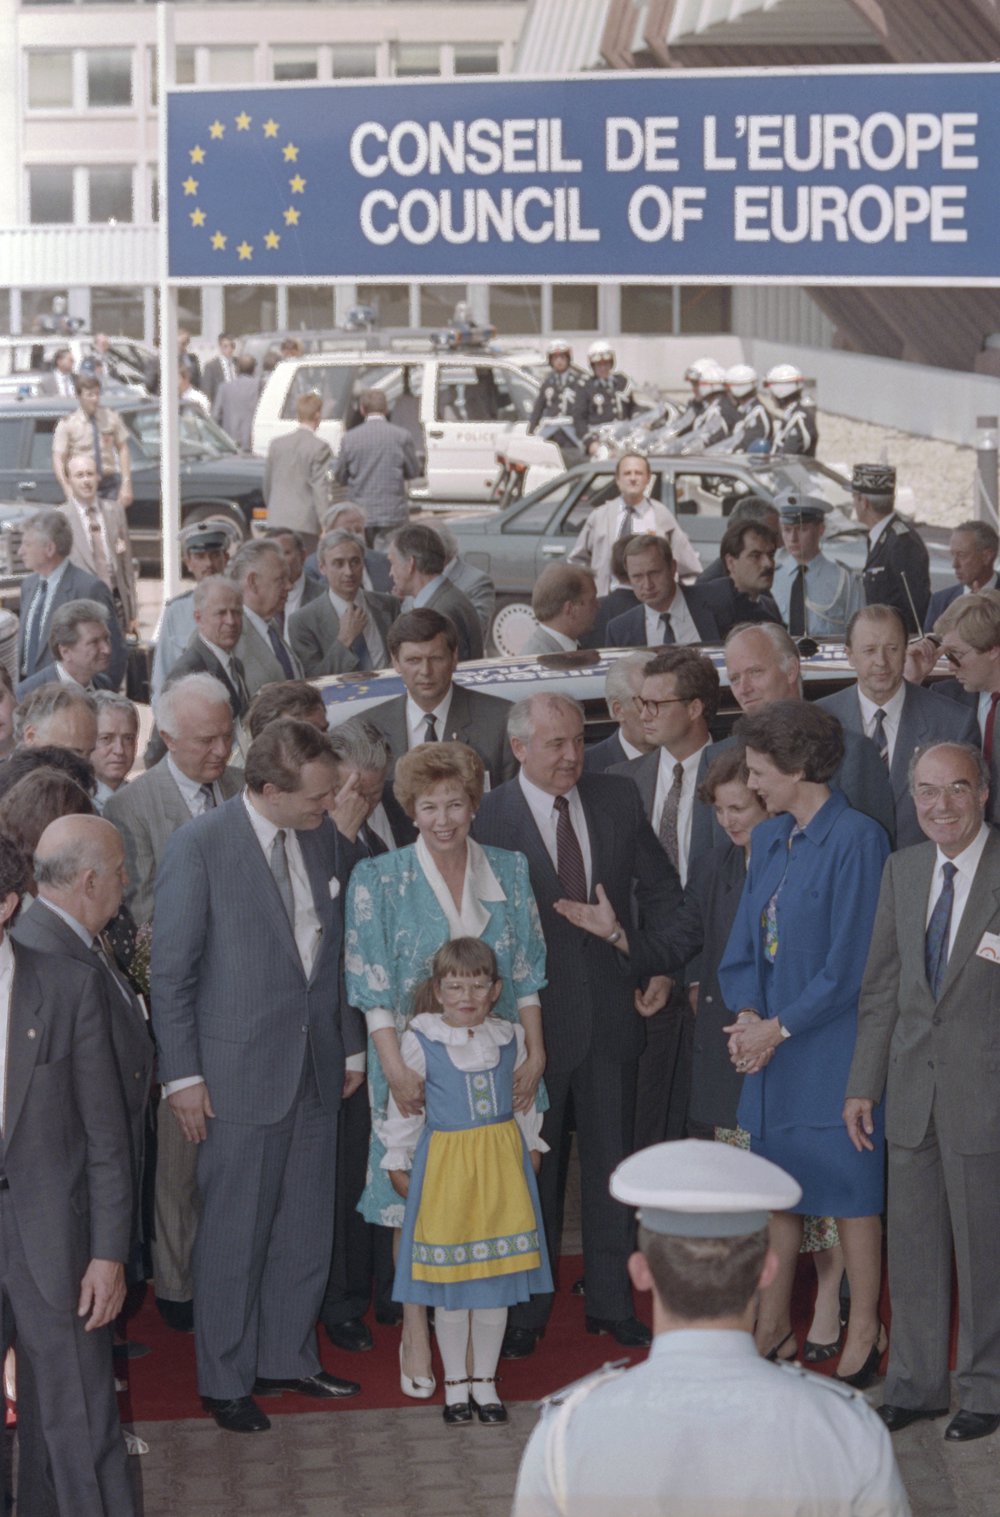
(296, 185)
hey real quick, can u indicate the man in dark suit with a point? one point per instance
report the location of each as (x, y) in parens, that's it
(899, 717)
(667, 612)
(302, 587)
(59, 380)
(897, 568)
(235, 403)
(297, 475)
(622, 684)
(423, 646)
(416, 564)
(605, 893)
(218, 618)
(748, 550)
(65, 1211)
(81, 642)
(347, 628)
(564, 601)
(221, 369)
(348, 516)
(763, 666)
(970, 641)
(749, 508)
(46, 544)
(926, 1044)
(252, 1038)
(973, 547)
(375, 461)
(258, 567)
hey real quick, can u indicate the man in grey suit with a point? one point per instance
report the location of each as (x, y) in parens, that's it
(347, 628)
(252, 1038)
(564, 602)
(222, 368)
(235, 403)
(375, 461)
(973, 546)
(65, 1209)
(218, 620)
(81, 642)
(416, 565)
(196, 724)
(297, 475)
(626, 889)
(899, 717)
(46, 545)
(926, 1042)
(258, 568)
(473, 582)
(59, 380)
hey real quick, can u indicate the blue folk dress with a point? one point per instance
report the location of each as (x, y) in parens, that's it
(472, 1234)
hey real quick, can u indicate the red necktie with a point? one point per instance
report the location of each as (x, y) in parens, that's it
(991, 717)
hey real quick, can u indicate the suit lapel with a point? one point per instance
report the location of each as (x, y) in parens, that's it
(527, 838)
(461, 723)
(259, 880)
(908, 737)
(174, 806)
(24, 1040)
(980, 909)
(645, 775)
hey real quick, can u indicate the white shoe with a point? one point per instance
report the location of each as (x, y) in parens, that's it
(419, 1389)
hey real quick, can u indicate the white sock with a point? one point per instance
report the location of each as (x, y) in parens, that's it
(451, 1329)
(488, 1327)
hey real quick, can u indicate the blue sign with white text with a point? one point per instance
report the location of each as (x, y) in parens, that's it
(860, 175)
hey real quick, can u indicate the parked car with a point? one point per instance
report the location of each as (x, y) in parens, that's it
(126, 358)
(216, 480)
(514, 545)
(459, 407)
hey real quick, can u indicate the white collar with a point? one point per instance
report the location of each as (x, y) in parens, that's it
(480, 884)
(893, 707)
(342, 606)
(570, 644)
(190, 789)
(432, 1026)
(50, 581)
(220, 653)
(966, 862)
(874, 533)
(258, 623)
(86, 938)
(416, 715)
(629, 749)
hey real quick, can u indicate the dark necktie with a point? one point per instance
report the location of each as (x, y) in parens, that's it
(668, 819)
(628, 522)
(797, 604)
(879, 737)
(668, 628)
(36, 615)
(938, 930)
(361, 652)
(282, 878)
(371, 842)
(991, 720)
(102, 948)
(430, 732)
(280, 651)
(102, 565)
(96, 433)
(208, 798)
(238, 680)
(569, 855)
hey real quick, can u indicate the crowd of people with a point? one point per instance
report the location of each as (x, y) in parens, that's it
(387, 970)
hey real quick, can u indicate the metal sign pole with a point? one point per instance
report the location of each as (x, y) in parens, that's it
(170, 477)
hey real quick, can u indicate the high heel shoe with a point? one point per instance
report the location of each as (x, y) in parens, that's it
(820, 1353)
(862, 1378)
(417, 1387)
(772, 1355)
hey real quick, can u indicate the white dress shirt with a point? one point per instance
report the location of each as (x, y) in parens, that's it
(293, 599)
(373, 638)
(191, 790)
(893, 709)
(966, 863)
(681, 622)
(643, 517)
(416, 720)
(543, 808)
(685, 812)
(6, 987)
(567, 644)
(629, 749)
(225, 659)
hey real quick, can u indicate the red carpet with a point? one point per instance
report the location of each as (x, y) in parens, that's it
(162, 1388)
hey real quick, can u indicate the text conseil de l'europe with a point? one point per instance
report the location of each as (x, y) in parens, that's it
(882, 143)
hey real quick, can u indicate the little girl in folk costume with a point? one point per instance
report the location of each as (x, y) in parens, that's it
(472, 1241)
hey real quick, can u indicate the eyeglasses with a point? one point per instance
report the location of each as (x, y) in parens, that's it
(652, 708)
(477, 988)
(959, 790)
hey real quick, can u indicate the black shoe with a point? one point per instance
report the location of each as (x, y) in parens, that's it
(492, 1413)
(965, 1426)
(353, 1335)
(898, 1417)
(321, 1386)
(629, 1332)
(177, 1314)
(579, 1287)
(456, 1412)
(519, 1342)
(862, 1378)
(389, 1316)
(242, 1415)
(130, 1349)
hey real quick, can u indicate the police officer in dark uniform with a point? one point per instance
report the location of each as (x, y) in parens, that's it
(754, 424)
(557, 397)
(607, 397)
(897, 569)
(716, 423)
(795, 429)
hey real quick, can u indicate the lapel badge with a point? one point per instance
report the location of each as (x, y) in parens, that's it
(31, 1032)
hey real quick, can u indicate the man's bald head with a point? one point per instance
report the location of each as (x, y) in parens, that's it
(80, 866)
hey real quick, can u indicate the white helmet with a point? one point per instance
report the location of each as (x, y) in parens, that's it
(784, 381)
(692, 373)
(712, 377)
(600, 351)
(741, 380)
(558, 345)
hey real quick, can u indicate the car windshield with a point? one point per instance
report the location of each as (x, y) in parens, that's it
(199, 435)
(809, 477)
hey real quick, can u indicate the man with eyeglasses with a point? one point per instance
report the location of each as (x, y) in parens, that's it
(969, 633)
(926, 1044)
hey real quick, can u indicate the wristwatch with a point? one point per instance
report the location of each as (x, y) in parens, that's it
(615, 936)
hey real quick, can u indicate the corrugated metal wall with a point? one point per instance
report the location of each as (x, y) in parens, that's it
(780, 313)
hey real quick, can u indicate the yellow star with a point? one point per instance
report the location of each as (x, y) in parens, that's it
(298, 184)
(271, 239)
(218, 241)
(291, 152)
(270, 128)
(197, 155)
(291, 216)
(190, 186)
(242, 122)
(217, 129)
(245, 251)
(197, 218)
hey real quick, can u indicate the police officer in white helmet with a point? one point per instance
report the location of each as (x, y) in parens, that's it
(553, 408)
(715, 424)
(606, 396)
(795, 429)
(753, 428)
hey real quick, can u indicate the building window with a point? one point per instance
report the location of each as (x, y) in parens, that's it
(647, 309)
(50, 81)
(516, 307)
(310, 307)
(110, 194)
(574, 308)
(412, 59)
(478, 58)
(183, 64)
(50, 196)
(230, 65)
(354, 63)
(38, 309)
(117, 310)
(291, 63)
(438, 302)
(391, 303)
(706, 308)
(249, 308)
(109, 78)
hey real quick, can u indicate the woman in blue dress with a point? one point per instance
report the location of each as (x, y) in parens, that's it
(401, 907)
(792, 971)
